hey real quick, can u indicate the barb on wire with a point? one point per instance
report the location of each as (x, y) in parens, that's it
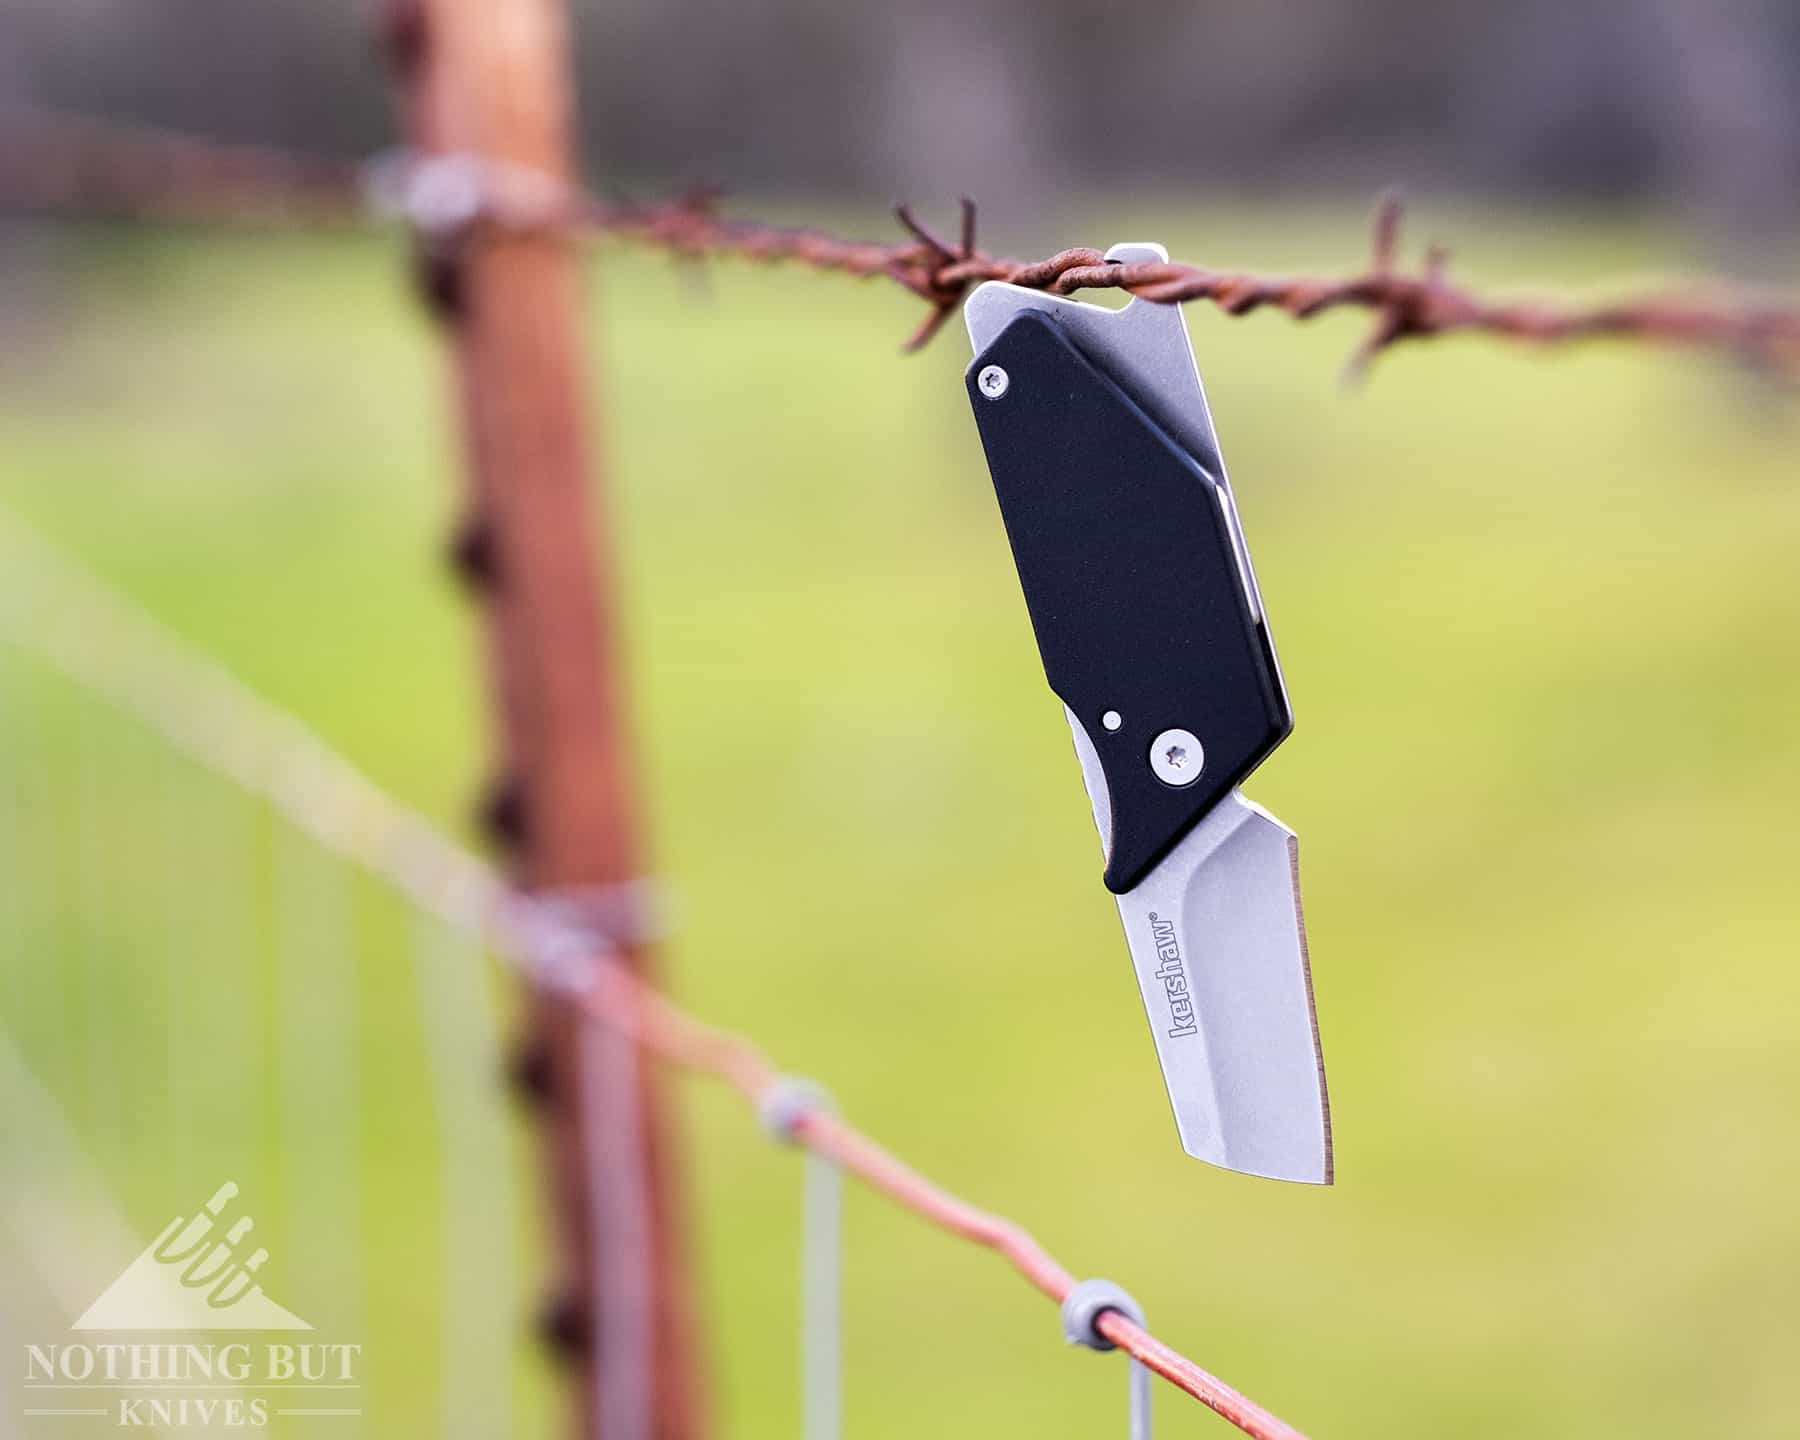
(1405, 305)
(64, 164)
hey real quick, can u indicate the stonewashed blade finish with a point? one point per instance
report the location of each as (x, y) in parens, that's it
(1153, 633)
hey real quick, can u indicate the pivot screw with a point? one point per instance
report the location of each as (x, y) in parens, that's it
(992, 381)
(1177, 757)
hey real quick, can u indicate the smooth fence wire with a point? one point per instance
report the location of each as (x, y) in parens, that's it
(319, 1073)
(62, 615)
(199, 987)
(616, 999)
(480, 1201)
(821, 1281)
(619, 1214)
(781, 1107)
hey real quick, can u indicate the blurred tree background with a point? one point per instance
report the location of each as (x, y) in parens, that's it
(1026, 102)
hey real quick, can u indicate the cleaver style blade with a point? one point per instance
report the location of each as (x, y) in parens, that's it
(1152, 632)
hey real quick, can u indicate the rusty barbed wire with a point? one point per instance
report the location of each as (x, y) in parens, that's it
(63, 164)
(58, 163)
(1405, 304)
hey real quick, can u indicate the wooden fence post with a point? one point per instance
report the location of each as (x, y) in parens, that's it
(493, 81)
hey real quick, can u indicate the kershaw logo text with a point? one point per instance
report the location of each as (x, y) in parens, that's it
(1173, 975)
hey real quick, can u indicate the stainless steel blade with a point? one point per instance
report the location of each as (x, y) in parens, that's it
(1219, 946)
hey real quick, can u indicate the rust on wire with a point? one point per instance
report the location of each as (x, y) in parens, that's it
(1405, 305)
(63, 164)
(624, 1003)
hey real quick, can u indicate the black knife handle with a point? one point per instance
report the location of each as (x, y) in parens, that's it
(1133, 584)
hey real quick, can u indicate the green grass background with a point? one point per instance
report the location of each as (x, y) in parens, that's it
(1538, 613)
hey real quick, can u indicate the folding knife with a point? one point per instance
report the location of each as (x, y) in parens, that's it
(1153, 635)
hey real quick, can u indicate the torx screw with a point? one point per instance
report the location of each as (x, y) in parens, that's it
(992, 381)
(1177, 758)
